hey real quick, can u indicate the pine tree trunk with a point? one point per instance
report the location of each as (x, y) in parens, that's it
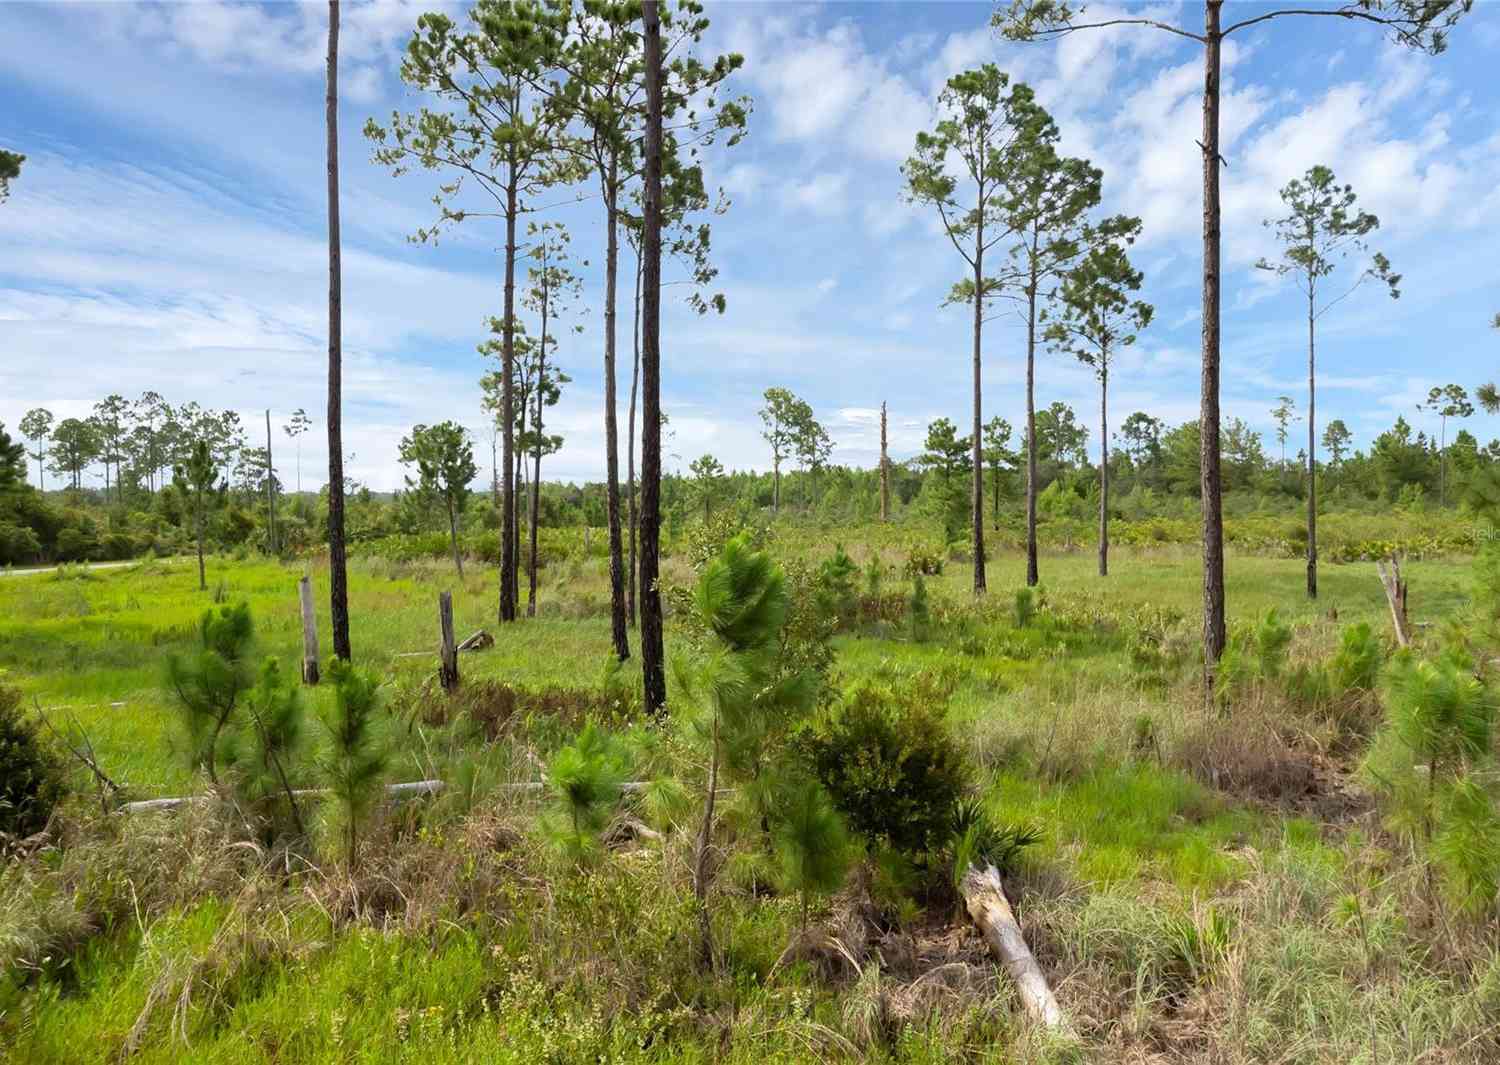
(1208, 456)
(620, 637)
(536, 459)
(338, 574)
(1104, 465)
(1032, 576)
(653, 669)
(885, 470)
(202, 575)
(635, 379)
(458, 558)
(976, 480)
(1312, 465)
(270, 489)
(508, 413)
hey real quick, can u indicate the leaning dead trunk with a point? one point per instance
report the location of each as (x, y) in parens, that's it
(984, 897)
(1395, 597)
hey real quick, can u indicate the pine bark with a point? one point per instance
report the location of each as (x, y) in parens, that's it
(976, 480)
(1211, 483)
(654, 675)
(338, 573)
(1032, 575)
(1104, 465)
(1312, 465)
(620, 637)
(885, 470)
(635, 380)
(507, 414)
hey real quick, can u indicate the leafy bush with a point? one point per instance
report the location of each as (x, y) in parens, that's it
(32, 778)
(923, 560)
(890, 767)
(18, 545)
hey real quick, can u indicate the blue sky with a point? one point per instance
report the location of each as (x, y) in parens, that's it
(168, 228)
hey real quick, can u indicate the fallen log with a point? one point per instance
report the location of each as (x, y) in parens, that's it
(394, 791)
(477, 642)
(984, 896)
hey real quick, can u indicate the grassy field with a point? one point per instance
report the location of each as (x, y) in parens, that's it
(1206, 889)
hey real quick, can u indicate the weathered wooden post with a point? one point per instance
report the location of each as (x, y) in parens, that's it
(309, 632)
(448, 653)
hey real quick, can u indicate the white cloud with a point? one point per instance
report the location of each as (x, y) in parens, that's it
(822, 194)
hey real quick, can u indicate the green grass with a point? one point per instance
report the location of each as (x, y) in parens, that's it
(510, 962)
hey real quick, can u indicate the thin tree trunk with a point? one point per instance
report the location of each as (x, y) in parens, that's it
(1104, 465)
(536, 451)
(653, 669)
(1032, 576)
(635, 378)
(611, 430)
(270, 489)
(458, 558)
(1208, 456)
(976, 494)
(202, 577)
(508, 413)
(775, 484)
(338, 575)
(700, 850)
(885, 470)
(1312, 464)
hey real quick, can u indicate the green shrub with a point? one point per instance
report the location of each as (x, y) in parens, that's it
(812, 845)
(977, 839)
(357, 752)
(209, 685)
(1025, 607)
(923, 560)
(890, 766)
(918, 610)
(584, 781)
(19, 546)
(1357, 663)
(838, 599)
(32, 778)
